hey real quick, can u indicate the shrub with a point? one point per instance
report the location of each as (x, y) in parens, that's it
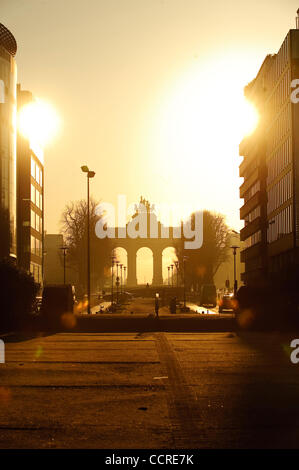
(18, 291)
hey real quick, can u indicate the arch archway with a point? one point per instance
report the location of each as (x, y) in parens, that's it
(121, 256)
(144, 262)
(168, 258)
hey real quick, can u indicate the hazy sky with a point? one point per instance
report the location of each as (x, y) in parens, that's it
(149, 93)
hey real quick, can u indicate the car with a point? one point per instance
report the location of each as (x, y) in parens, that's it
(208, 295)
(226, 303)
(57, 300)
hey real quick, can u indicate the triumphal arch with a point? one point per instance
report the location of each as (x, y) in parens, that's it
(145, 231)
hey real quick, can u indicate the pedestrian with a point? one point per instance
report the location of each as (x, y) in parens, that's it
(157, 307)
(173, 305)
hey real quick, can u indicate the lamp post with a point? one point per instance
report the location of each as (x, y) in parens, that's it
(112, 266)
(177, 276)
(171, 274)
(184, 274)
(117, 281)
(168, 267)
(89, 174)
(125, 277)
(64, 248)
(234, 248)
(121, 277)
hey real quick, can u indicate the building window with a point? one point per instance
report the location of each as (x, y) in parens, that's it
(280, 225)
(251, 191)
(253, 215)
(33, 194)
(253, 239)
(280, 193)
(32, 168)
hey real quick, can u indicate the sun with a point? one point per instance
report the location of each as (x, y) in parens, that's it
(200, 121)
(38, 122)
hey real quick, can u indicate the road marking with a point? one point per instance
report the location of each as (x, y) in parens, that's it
(183, 404)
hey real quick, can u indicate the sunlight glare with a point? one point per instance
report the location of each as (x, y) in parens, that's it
(38, 122)
(201, 120)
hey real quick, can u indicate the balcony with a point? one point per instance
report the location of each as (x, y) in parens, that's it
(251, 252)
(249, 182)
(250, 228)
(251, 204)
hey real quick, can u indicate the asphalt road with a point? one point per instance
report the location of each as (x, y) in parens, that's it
(151, 390)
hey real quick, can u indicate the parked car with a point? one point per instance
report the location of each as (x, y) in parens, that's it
(208, 295)
(226, 303)
(57, 300)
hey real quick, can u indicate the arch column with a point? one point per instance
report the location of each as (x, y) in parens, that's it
(157, 267)
(131, 274)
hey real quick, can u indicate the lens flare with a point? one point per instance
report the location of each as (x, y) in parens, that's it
(38, 122)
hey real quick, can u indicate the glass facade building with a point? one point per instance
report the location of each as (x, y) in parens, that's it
(8, 78)
(30, 201)
(270, 169)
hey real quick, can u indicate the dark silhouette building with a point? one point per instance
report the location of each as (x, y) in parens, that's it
(270, 169)
(30, 200)
(8, 77)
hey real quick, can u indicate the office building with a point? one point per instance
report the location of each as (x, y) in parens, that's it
(270, 169)
(8, 77)
(30, 200)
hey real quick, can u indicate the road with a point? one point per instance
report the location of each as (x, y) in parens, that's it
(149, 390)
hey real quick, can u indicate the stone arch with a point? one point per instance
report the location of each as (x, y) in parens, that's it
(156, 245)
(121, 255)
(168, 258)
(148, 263)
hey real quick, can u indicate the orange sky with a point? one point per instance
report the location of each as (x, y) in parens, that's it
(149, 93)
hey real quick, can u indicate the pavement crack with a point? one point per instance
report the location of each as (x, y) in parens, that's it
(183, 404)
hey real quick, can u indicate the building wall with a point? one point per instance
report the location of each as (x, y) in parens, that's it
(271, 197)
(30, 201)
(8, 77)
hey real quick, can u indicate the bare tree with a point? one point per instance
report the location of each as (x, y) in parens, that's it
(74, 230)
(203, 263)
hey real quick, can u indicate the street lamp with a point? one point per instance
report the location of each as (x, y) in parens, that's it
(168, 267)
(171, 274)
(125, 276)
(117, 281)
(234, 248)
(121, 277)
(89, 174)
(177, 275)
(112, 266)
(184, 275)
(64, 248)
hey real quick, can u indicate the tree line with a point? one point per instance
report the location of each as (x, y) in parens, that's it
(201, 264)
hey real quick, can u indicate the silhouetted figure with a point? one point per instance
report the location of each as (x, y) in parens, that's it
(172, 305)
(157, 306)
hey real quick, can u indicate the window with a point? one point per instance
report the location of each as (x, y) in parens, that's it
(280, 225)
(280, 193)
(32, 168)
(251, 191)
(33, 221)
(253, 215)
(33, 194)
(33, 244)
(253, 239)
